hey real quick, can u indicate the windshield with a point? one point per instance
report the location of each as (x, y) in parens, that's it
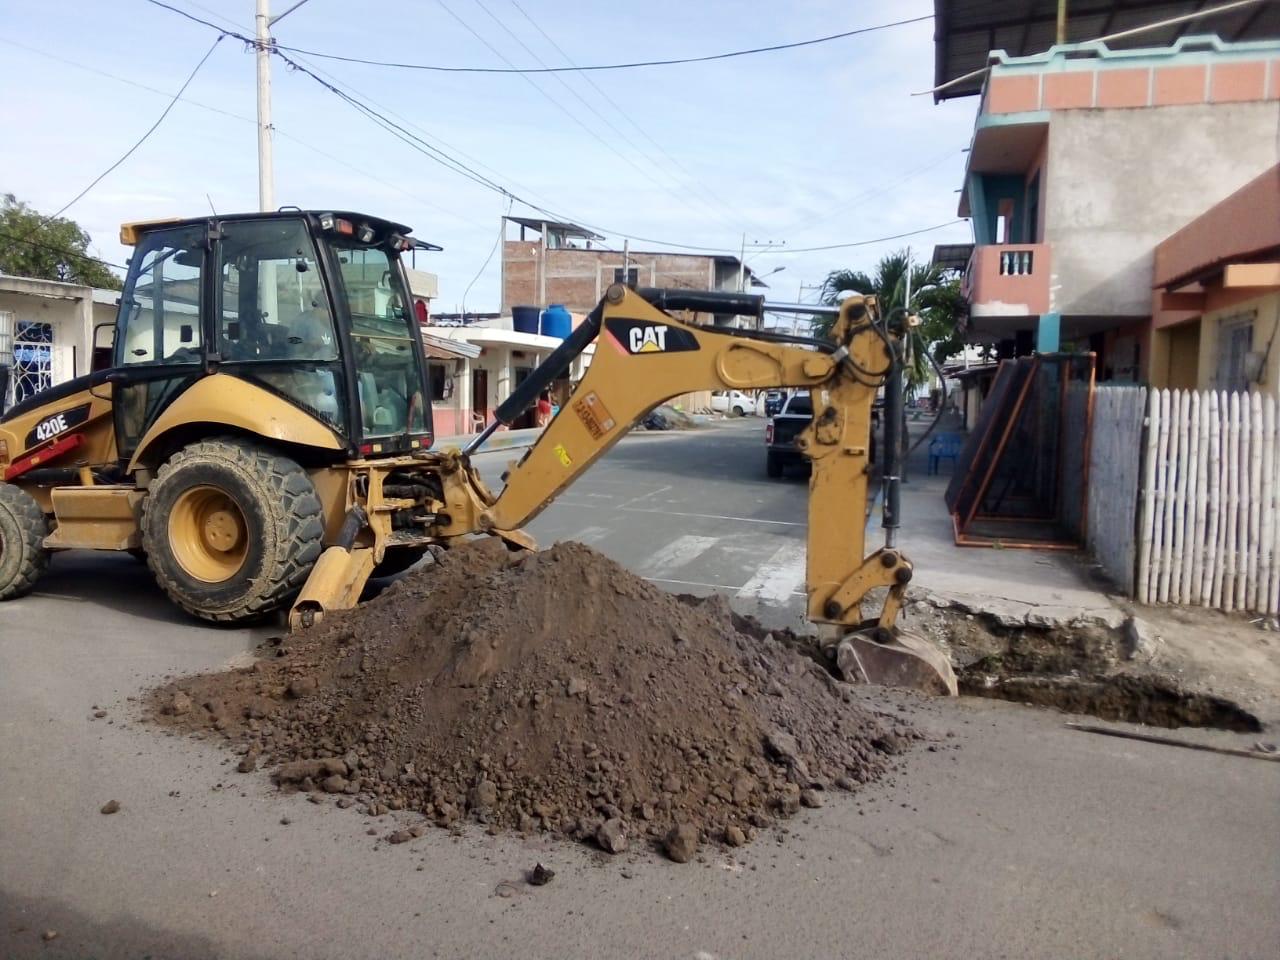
(388, 369)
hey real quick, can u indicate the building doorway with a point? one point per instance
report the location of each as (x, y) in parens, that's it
(480, 396)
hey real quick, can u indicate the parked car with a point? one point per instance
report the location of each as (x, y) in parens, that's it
(734, 403)
(773, 402)
(781, 432)
(782, 429)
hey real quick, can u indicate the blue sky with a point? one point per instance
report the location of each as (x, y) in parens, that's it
(815, 146)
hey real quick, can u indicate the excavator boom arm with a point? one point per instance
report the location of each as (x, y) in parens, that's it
(645, 356)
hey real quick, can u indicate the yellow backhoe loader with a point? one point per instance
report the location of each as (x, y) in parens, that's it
(262, 432)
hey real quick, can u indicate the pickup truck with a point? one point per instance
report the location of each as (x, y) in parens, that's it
(782, 429)
(781, 432)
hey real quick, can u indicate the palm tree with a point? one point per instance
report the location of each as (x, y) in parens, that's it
(935, 298)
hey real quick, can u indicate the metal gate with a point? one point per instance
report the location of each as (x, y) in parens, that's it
(32, 364)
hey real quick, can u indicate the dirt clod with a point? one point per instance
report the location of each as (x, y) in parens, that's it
(811, 798)
(549, 692)
(681, 842)
(111, 806)
(540, 876)
(612, 836)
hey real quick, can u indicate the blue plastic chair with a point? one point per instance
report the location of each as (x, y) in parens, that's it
(945, 446)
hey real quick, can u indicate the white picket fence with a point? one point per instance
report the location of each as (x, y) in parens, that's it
(1208, 523)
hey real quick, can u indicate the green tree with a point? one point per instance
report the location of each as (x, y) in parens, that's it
(34, 246)
(935, 298)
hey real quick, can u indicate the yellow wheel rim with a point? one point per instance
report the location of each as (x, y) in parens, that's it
(208, 534)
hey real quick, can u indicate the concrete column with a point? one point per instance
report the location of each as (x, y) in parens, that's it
(1047, 333)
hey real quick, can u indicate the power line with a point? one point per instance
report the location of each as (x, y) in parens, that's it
(502, 226)
(574, 69)
(64, 251)
(439, 156)
(244, 119)
(772, 48)
(623, 112)
(608, 123)
(587, 129)
(866, 243)
(141, 140)
(859, 199)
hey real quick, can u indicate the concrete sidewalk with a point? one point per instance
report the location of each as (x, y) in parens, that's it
(1016, 586)
(502, 440)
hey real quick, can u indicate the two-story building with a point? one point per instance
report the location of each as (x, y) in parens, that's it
(1086, 156)
(547, 262)
(1216, 311)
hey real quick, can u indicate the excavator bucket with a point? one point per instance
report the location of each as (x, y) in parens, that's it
(903, 660)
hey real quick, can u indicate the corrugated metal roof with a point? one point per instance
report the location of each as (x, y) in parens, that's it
(439, 348)
(952, 256)
(966, 31)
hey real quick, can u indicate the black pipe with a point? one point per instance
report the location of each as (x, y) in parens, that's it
(705, 301)
(552, 368)
(892, 446)
(355, 521)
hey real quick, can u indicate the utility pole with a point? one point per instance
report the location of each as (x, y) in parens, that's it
(263, 22)
(262, 50)
(1062, 21)
(626, 261)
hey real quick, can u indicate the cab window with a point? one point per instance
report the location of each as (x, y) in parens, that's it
(272, 300)
(159, 320)
(388, 366)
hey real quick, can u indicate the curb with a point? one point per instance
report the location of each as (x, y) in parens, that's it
(503, 440)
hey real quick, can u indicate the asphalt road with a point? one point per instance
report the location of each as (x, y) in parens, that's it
(1014, 838)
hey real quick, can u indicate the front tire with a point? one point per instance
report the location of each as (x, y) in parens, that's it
(231, 529)
(737, 411)
(23, 527)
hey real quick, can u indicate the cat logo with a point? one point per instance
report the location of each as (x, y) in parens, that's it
(636, 337)
(647, 339)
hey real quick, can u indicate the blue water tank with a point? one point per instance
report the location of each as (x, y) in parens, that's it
(557, 321)
(525, 319)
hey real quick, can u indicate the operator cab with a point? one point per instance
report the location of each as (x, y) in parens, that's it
(311, 306)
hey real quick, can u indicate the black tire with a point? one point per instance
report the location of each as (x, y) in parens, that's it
(280, 528)
(23, 527)
(773, 465)
(398, 560)
(737, 411)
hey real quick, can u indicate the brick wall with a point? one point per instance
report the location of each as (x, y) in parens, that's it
(579, 278)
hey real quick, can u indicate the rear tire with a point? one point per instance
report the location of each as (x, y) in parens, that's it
(231, 529)
(23, 527)
(737, 411)
(773, 465)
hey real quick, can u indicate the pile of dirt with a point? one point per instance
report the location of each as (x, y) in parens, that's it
(548, 691)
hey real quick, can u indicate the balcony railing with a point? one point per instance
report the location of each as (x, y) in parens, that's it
(1017, 263)
(1008, 279)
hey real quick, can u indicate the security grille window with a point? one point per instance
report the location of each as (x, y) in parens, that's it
(633, 276)
(1235, 340)
(32, 359)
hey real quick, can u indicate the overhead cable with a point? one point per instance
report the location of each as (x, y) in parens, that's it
(773, 48)
(141, 140)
